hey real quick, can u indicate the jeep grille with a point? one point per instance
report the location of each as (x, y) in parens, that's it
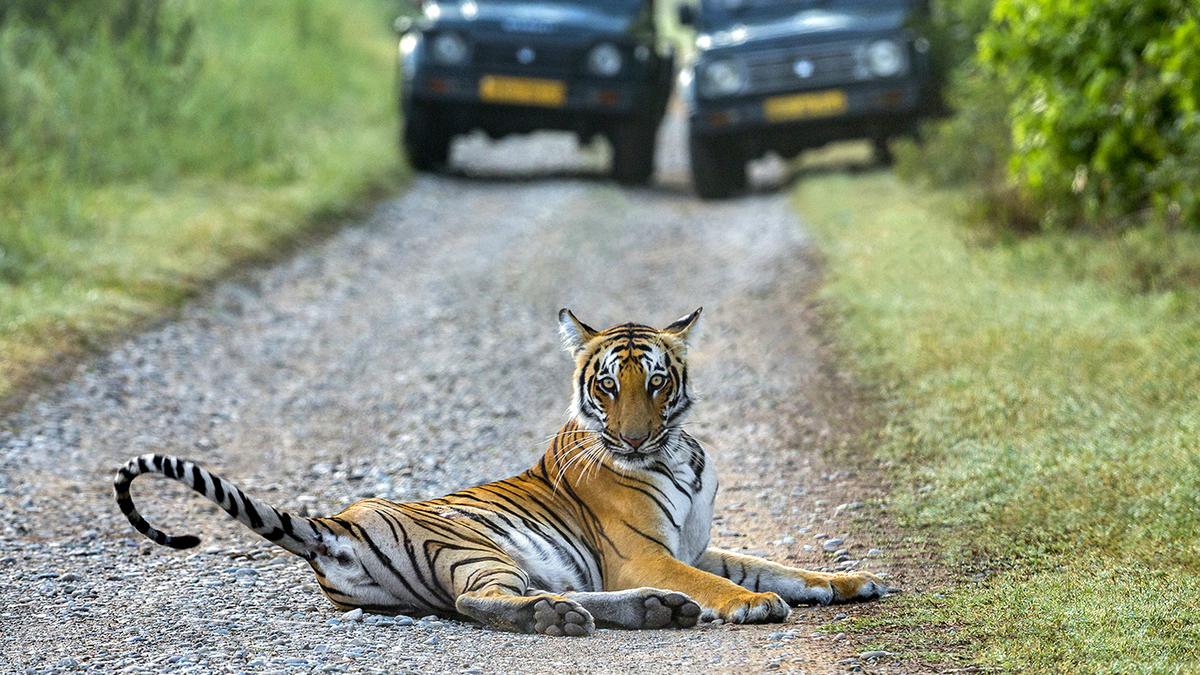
(828, 65)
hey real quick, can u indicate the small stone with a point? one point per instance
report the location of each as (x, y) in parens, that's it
(353, 615)
(874, 654)
(831, 545)
(69, 577)
(839, 637)
(404, 621)
(847, 565)
(432, 640)
(874, 553)
(821, 535)
(809, 548)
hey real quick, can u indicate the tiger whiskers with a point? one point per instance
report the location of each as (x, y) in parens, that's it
(582, 448)
(583, 458)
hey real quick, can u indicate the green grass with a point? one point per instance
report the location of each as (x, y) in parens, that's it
(1042, 399)
(135, 170)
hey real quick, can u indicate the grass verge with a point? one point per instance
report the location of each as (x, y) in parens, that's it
(1044, 421)
(146, 152)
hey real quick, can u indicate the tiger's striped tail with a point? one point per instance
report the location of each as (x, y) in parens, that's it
(292, 533)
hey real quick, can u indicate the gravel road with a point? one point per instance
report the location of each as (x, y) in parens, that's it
(406, 356)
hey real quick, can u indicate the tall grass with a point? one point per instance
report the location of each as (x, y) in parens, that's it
(145, 146)
(1044, 412)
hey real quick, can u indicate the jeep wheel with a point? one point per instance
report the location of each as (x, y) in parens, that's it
(882, 151)
(633, 152)
(717, 172)
(426, 140)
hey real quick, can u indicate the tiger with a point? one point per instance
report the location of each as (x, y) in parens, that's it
(610, 528)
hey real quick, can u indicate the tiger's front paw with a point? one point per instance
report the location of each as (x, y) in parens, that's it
(824, 588)
(856, 586)
(750, 608)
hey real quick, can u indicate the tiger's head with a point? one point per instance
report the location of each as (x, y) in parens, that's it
(631, 383)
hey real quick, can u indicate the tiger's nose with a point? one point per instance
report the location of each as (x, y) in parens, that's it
(635, 442)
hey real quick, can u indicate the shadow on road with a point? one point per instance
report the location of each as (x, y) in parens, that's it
(507, 162)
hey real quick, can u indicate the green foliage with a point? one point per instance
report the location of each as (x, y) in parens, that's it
(1104, 111)
(146, 145)
(1043, 415)
(973, 145)
(953, 26)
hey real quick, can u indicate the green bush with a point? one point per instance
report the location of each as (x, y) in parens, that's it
(1105, 104)
(147, 146)
(150, 92)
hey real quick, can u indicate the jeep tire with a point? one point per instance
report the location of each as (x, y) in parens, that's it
(718, 171)
(426, 140)
(633, 145)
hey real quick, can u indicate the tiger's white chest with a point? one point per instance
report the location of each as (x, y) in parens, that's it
(696, 530)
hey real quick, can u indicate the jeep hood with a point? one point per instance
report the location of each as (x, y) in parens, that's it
(808, 23)
(533, 18)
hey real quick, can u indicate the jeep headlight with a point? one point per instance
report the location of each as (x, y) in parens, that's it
(722, 78)
(885, 58)
(605, 59)
(449, 49)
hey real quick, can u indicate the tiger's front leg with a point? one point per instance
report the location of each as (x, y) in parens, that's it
(794, 585)
(720, 597)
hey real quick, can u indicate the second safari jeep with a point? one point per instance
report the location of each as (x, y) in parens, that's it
(786, 75)
(513, 66)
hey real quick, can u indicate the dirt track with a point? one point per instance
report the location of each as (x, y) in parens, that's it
(409, 355)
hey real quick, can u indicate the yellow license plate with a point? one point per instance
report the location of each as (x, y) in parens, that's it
(805, 106)
(523, 91)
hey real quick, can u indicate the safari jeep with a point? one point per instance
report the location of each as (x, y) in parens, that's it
(592, 67)
(787, 75)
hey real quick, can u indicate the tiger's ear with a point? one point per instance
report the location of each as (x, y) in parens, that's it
(574, 333)
(684, 327)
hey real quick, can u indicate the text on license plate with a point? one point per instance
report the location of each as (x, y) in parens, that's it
(805, 106)
(523, 90)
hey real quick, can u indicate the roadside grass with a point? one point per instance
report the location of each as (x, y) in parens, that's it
(1042, 398)
(129, 180)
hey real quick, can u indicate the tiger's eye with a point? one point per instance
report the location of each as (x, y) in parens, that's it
(657, 381)
(608, 383)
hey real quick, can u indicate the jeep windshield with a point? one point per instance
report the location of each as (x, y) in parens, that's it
(721, 13)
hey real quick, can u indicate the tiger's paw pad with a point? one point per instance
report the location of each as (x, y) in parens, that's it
(856, 586)
(752, 608)
(668, 608)
(562, 617)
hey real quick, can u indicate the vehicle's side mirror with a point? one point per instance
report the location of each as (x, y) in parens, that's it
(403, 25)
(687, 15)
